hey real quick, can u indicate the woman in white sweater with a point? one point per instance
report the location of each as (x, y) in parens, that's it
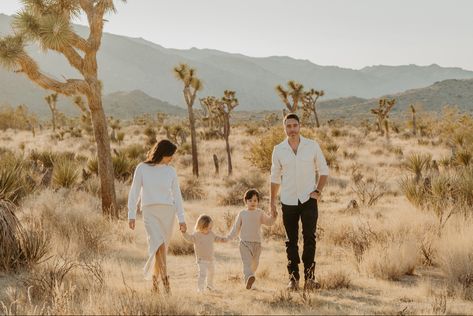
(156, 185)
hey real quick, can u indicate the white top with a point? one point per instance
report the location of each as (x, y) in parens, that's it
(203, 244)
(296, 173)
(155, 184)
(248, 224)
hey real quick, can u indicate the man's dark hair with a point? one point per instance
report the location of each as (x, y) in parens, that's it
(291, 116)
(250, 193)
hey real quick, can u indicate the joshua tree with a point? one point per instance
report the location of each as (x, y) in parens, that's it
(49, 23)
(295, 92)
(208, 115)
(382, 114)
(220, 110)
(192, 84)
(309, 101)
(52, 102)
(114, 125)
(414, 123)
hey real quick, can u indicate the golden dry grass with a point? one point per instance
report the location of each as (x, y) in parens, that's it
(371, 260)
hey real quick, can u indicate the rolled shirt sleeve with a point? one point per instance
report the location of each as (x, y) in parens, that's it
(135, 193)
(276, 168)
(320, 161)
(176, 191)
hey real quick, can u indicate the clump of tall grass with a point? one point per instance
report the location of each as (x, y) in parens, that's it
(390, 261)
(65, 174)
(16, 180)
(22, 247)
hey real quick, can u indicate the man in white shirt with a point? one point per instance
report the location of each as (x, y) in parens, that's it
(295, 162)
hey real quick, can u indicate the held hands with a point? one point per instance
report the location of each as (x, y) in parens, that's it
(131, 224)
(182, 227)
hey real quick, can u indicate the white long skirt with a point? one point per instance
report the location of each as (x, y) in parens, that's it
(159, 222)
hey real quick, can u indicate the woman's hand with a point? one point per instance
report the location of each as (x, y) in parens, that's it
(182, 227)
(131, 224)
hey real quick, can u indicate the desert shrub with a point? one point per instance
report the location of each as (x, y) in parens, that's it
(16, 118)
(93, 165)
(260, 152)
(456, 261)
(123, 167)
(368, 190)
(134, 151)
(252, 130)
(336, 279)
(192, 189)
(336, 132)
(184, 149)
(390, 261)
(15, 179)
(275, 231)
(236, 187)
(22, 247)
(180, 247)
(65, 174)
(151, 134)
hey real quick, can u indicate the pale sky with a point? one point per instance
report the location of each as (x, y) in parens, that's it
(345, 33)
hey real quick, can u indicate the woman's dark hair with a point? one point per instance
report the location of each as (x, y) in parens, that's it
(291, 116)
(164, 148)
(250, 193)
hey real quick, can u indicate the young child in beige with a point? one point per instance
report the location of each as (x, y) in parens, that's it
(248, 226)
(203, 239)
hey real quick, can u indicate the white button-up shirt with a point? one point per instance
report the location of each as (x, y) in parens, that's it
(296, 173)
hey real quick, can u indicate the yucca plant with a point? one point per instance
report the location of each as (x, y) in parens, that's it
(464, 157)
(417, 163)
(413, 191)
(46, 157)
(20, 247)
(65, 174)
(135, 151)
(123, 167)
(93, 165)
(15, 182)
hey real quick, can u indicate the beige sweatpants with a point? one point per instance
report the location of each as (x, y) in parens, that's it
(206, 273)
(250, 253)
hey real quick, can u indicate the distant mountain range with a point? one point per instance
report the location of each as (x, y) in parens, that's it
(144, 68)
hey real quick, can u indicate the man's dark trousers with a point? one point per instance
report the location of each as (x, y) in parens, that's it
(308, 213)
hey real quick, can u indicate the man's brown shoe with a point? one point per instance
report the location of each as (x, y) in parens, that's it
(311, 285)
(293, 285)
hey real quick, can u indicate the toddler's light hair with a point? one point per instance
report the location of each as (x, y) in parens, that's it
(203, 222)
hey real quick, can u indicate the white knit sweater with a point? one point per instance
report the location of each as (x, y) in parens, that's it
(155, 184)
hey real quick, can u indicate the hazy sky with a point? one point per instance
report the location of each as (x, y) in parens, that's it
(346, 33)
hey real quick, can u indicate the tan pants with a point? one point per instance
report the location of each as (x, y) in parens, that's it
(206, 273)
(250, 253)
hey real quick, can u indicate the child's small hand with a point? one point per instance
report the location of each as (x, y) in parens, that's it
(131, 224)
(182, 227)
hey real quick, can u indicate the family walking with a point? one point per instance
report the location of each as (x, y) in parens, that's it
(297, 163)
